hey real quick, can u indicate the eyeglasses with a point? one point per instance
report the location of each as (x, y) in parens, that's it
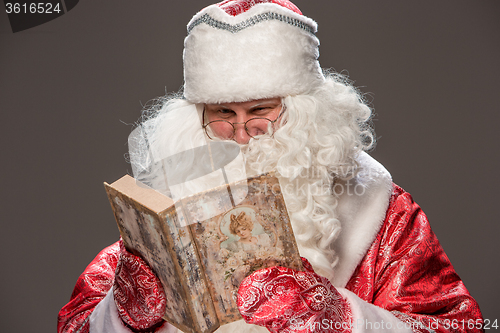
(223, 129)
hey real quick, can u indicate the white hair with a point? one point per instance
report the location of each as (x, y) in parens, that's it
(318, 139)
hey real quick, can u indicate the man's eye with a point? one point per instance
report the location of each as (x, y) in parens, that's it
(225, 113)
(262, 111)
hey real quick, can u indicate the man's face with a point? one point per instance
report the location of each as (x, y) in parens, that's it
(238, 114)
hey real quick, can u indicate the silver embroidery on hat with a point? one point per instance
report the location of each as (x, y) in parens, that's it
(207, 19)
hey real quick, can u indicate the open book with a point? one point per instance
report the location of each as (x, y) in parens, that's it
(202, 246)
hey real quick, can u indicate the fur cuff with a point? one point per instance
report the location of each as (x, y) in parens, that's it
(105, 317)
(371, 318)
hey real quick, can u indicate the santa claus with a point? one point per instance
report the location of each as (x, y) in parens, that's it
(371, 262)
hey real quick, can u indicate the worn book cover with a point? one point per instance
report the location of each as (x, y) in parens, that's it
(202, 246)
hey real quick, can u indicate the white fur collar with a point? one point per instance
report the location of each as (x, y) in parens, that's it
(362, 208)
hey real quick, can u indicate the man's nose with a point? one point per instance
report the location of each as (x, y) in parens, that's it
(240, 134)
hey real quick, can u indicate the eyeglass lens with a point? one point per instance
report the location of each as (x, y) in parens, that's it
(254, 127)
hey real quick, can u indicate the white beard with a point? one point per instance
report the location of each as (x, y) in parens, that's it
(307, 190)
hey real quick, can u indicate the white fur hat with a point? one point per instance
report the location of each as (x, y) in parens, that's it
(242, 50)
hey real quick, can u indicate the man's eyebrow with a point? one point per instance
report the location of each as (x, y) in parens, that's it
(220, 106)
(266, 104)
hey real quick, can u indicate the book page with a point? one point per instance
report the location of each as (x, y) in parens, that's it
(254, 234)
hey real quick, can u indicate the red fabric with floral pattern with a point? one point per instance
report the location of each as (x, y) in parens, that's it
(285, 300)
(91, 287)
(139, 295)
(407, 272)
(235, 7)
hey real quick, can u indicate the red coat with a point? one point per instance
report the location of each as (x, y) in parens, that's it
(392, 269)
(405, 271)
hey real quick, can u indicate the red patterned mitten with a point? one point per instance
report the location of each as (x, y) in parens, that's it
(285, 300)
(139, 295)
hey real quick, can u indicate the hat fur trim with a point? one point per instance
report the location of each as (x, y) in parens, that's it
(241, 58)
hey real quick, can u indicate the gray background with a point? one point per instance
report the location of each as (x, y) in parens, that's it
(69, 89)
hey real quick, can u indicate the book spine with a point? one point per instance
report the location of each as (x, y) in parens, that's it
(143, 234)
(181, 245)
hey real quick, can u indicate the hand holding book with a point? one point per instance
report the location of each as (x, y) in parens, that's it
(286, 300)
(138, 293)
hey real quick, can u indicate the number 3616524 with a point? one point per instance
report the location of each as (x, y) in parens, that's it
(32, 8)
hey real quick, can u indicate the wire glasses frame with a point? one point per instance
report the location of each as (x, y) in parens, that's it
(254, 126)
